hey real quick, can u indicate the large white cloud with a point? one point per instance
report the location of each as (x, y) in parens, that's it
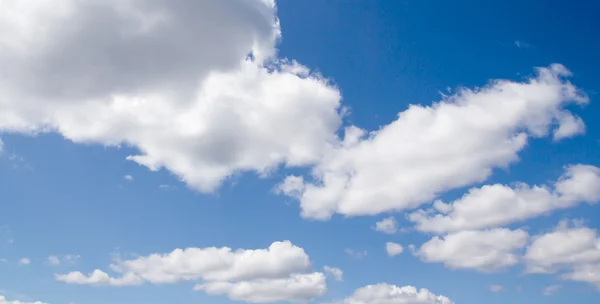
(483, 250)
(383, 293)
(573, 248)
(170, 78)
(243, 274)
(429, 150)
(497, 205)
(3, 300)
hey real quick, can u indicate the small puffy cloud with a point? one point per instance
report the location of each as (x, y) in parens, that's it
(24, 261)
(128, 177)
(3, 300)
(242, 274)
(550, 290)
(335, 272)
(498, 205)
(387, 225)
(298, 288)
(429, 150)
(496, 288)
(99, 278)
(393, 249)
(383, 293)
(577, 257)
(483, 250)
(357, 254)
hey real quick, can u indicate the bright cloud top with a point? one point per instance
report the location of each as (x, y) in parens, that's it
(578, 253)
(391, 294)
(429, 150)
(498, 205)
(483, 250)
(278, 273)
(3, 300)
(127, 73)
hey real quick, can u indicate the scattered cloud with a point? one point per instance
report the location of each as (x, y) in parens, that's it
(243, 274)
(357, 254)
(393, 249)
(387, 225)
(336, 273)
(577, 257)
(483, 250)
(499, 205)
(3, 300)
(522, 45)
(428, 150)
(550, 290)
(384, 293)
(128, 177)
(24, 261)
(68, 258)
(496, 288)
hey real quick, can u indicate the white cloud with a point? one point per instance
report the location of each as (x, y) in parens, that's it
(335, 272)
(357, 254)
(24, 261)
(497, 205)
(298, 288)
(99, 278)
(496, 288)
(383, 293)
(550, 290)
(484, 250)
(53, 260)
(393, 249)
(577, 256)
(140, 74)
(242, 274)
(128, 177)
(429, 150)
(387, 225)
(3, 300)
(68, 258)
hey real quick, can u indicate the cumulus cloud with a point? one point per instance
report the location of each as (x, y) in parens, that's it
(393, 249)
(99, 278)
(3, 300)
(298, 288)
(242, 274)
(24, 261)
(139, 73)
(483, 250)
(68, 258)
(383, 293)
(578, 255)
(498, 205)
(428, 150)
(335, 272)
(387, 225)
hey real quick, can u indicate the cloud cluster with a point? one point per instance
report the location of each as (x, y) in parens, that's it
(278, 273)
(571, 248)
(499, 205)
(139, 73)
(387, 294)
(428, 150)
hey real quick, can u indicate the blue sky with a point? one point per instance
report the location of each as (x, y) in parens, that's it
(239, 153)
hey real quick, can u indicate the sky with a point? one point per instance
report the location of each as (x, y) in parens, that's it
(339, 152)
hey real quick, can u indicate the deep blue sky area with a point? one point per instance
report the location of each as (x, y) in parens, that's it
(61, 197)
